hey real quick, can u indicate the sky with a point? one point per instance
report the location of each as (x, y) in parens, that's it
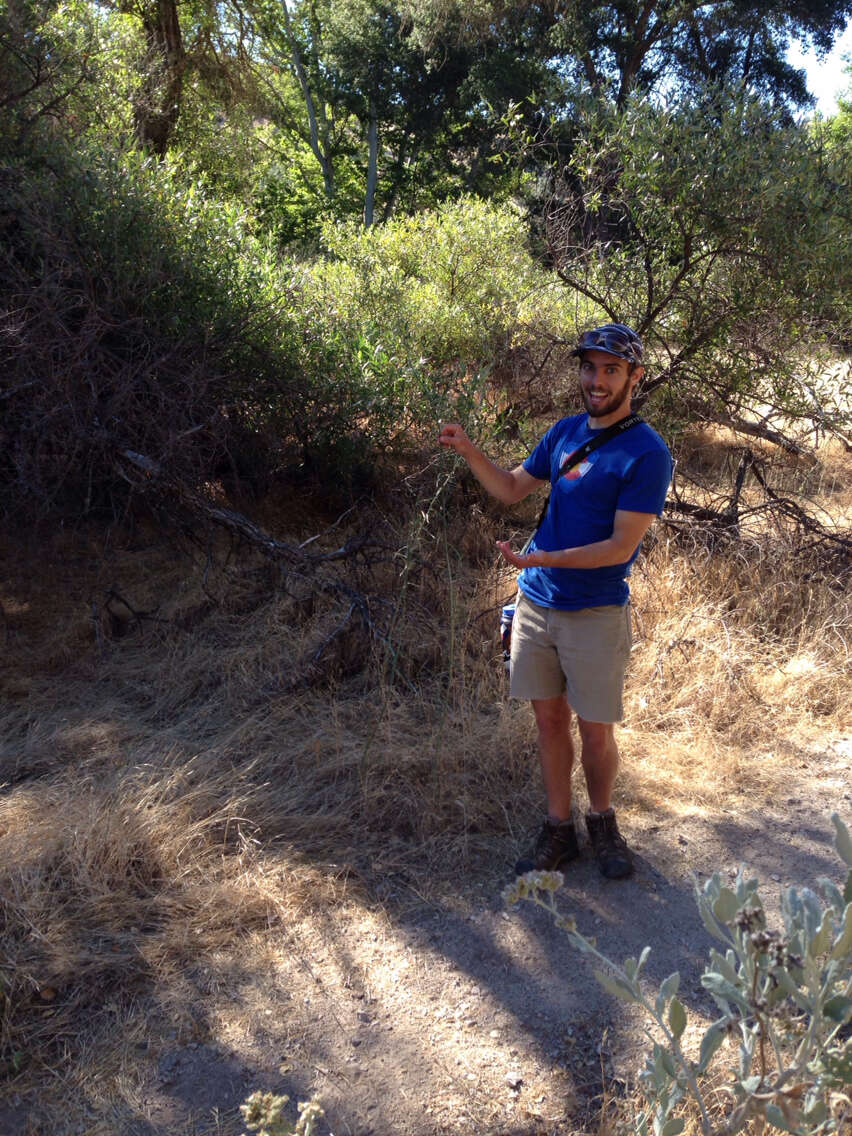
(827, 78)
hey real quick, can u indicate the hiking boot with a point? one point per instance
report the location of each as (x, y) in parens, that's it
(610, 847)
(556, 845)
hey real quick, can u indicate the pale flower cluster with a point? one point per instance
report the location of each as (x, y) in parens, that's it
(529, 883)
(262, 1114)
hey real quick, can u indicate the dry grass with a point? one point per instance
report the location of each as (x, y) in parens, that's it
(167, 793)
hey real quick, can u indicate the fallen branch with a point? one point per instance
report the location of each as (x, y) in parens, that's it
(147, 477)
(235, 522)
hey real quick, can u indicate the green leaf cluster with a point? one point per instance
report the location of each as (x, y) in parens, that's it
(721, 232)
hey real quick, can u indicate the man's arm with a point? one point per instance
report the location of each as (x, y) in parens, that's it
(507, 485)
(628, 530)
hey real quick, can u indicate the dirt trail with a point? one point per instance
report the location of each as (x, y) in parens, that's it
(457, 1016)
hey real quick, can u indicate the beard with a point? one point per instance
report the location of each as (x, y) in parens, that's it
(615, 402)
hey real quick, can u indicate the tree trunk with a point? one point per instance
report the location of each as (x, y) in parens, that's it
(157, 105)
(319, 142)
(372, 166)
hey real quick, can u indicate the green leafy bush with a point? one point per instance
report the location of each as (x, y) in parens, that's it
(784, 997)
(139, 313)
(426, 307)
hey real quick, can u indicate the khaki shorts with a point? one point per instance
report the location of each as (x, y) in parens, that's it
(582, 654)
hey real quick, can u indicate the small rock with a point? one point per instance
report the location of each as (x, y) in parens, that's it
(493, 1033)
(514, 1081)
(356, 1041)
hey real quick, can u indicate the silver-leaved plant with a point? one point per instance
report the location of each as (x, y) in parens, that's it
(784, 999)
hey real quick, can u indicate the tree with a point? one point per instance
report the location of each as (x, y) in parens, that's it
(157, 103)
(369, 87)
(717, 229)
(654, 45)
(43, 65)
(644, 45)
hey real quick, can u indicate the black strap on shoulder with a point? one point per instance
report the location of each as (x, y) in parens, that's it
(601, 436)
(579, 455)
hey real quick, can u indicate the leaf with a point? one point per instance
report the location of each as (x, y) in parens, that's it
(721, 988)
(615, 986)
(726, 906)
(725, 965)
(664, 1061)
(673, 1127)
(706, 912)
(838, 1008)
(789, 986)
(777, 1118)
(842, 841)
(668, 989)
(710, 1044)
(746, 1052)
(843, 944)
(819, 943)
(812, 911)
(832, 893)
(677, 1017)
(815, 1110)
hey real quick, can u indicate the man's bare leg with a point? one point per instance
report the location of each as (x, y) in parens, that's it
(555, 753)
(599, 757)
(557, 840)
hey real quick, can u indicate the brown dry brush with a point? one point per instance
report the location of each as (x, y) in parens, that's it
(286, 715)
(144, 833)
(751, 513)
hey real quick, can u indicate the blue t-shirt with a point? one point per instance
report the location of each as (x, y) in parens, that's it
(631, 471)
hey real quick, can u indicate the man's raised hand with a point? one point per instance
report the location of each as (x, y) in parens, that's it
(453, 437)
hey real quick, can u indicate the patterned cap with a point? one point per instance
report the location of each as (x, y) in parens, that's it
(614, 338)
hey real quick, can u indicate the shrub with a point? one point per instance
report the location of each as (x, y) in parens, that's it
(137, 313)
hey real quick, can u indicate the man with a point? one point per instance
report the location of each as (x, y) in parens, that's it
(571, 631)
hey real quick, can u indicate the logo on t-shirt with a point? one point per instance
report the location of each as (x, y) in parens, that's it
(577, 471)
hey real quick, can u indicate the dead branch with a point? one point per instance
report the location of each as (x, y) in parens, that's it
(148, 478)
(688, 516)
(765, 433)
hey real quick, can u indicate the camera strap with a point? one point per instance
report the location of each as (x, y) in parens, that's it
(579, 455)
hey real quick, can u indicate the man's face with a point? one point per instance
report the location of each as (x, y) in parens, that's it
(607, 384)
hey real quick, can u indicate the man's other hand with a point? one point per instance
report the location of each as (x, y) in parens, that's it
(520, 559)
